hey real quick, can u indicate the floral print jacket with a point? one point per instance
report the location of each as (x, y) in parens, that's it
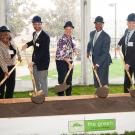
(65, 48)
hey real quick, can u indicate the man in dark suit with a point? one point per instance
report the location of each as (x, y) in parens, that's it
(98, 48)
(41, 54)
(127, 42)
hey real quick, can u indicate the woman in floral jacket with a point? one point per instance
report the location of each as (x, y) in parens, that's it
(64, 57)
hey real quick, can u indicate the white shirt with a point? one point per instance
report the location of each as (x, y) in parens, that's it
(37, 34)
(97, 33)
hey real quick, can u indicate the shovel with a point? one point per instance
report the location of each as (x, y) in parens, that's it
(37, 96)
(64, 86)
(132, 89)
(6, 77)
(102, 92)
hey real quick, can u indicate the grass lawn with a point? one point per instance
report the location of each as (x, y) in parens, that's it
(77, 90)
(116, 70)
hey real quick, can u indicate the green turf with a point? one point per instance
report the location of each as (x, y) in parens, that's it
(116, 70)
(126, 133)
(77, 90)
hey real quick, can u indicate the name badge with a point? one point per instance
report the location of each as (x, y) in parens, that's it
(10, 52)
(37, 44)
(130, 44)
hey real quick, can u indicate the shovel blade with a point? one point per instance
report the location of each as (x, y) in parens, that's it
(38, 97)
(132, 92)
(61, 87)
(102, 92)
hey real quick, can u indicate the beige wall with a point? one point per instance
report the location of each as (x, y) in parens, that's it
(2, 12)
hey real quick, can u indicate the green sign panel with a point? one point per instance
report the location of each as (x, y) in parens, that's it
(91, 125)
(100, 125)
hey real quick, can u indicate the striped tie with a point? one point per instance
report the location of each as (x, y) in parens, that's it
(35, 37)
(126, 42)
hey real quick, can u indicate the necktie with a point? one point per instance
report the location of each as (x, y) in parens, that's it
(126, 42)
(35, 37)
(95, 38)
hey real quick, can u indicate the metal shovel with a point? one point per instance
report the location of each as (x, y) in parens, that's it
(101, 92)
(37, 96)
(63, 86)
(132, 89)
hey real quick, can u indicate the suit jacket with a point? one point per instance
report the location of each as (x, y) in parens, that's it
(129, 56)
(41, 54)
(100, 51)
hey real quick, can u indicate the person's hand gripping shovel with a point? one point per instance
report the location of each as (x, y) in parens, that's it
(132, 89)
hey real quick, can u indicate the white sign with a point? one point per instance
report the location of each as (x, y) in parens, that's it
(69, 124)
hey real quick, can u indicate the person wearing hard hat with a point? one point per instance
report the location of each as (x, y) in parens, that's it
(8, 52)
(64, 57)
(127, 43)
(98, 49)
(40, 56)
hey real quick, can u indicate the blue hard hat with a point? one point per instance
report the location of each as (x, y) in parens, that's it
(68, 24)
(4, 29)
(36, 19)
(99, 19)
(131, 17)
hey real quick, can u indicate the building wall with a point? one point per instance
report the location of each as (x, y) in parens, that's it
(2, 12)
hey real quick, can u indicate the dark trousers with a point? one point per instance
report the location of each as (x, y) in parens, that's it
(7, 88)
(103, 73)
(127, 83)
(62, 69)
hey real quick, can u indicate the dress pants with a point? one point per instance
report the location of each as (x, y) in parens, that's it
(41, 80)
(62, 69)
(7, 88)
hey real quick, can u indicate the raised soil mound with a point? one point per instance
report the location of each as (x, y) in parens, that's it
(66, 106)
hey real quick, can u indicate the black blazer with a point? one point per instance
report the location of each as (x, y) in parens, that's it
(129, 57)
(41, 53)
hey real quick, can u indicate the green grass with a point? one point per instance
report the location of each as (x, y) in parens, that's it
(116, 70)
(77, 90)
(126, 133)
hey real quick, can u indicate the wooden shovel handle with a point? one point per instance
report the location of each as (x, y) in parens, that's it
(95, 72)
(6, 77)
(97, 77)
(127, 72)
(31, 73)
(68, 74)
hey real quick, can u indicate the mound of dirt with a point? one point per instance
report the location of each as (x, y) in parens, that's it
(66, 106)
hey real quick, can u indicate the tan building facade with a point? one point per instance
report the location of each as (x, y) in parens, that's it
(2, 12)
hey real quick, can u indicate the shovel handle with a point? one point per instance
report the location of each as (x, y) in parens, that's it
(127, 72)
(68, 74)
(6, 77)
(31, 73)
(97, 77)
(95, 72)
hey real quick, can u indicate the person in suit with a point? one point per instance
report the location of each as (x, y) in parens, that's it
(98, 48)
(64, 57)
(127, 42)
(40, 56)
(8, 53)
